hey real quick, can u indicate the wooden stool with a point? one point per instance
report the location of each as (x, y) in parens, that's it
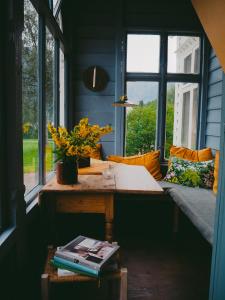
(50, 275)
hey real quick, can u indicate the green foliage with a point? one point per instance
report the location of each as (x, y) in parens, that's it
(141, 126)
(30, 72)
(30, 155)
(191, 178)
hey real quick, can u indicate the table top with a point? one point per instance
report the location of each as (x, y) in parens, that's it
(127, 179)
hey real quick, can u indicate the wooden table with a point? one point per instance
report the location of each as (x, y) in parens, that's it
(95, 194)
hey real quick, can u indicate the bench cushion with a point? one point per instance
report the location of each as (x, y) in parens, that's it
(197, 203)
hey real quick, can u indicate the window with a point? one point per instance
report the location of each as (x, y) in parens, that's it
(43, 100)
(143, 53)
(49, 98)
(181, 50)
(194, 115)
(59, 20)
(181, 115)
(197, 61)
(187, 64)
(185, 119)
(61, 88)
(141, 120)
(52, 3)
(30, 97)
(147, 125)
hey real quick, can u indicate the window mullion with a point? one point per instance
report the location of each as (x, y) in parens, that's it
(161, 118)
(193, 78)
(66, 93)
(203, 91)
(143, 77)
(41, 98)
(56, 83)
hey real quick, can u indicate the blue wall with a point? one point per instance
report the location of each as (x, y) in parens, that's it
(93, 28)
(214, 102)
(94, 44)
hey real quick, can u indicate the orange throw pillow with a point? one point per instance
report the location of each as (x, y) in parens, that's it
(192, 155)
(149, 160)
(216, 172)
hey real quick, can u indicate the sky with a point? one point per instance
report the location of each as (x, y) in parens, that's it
(143, 53)
(143, 56)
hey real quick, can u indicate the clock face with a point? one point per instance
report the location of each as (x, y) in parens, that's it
(95, 78)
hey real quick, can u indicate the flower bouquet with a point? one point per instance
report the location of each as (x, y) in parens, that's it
(72, 145)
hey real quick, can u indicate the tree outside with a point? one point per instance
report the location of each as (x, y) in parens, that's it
(141, 125)
(30, 96)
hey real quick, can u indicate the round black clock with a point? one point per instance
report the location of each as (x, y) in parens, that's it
(95, 78)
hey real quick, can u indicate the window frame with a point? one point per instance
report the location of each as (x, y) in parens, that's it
(43, 12)
(2, 136)
(164, 77)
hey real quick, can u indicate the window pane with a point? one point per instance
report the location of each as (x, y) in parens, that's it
(30, 96)
(182, 57)
(49, 159)
(141, 120)
(197, 61)
(181, 115)
(143, 53)
(61, 89)
(59, 20)
(54, 3)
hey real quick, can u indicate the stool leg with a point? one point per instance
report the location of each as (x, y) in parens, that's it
(44, 287)
(123, 284)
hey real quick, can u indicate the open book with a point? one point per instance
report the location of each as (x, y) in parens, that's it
(85, 255)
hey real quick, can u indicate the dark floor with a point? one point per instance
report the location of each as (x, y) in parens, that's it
(159, 266)
(166, 270)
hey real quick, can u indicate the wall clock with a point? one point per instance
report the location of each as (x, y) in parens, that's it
(95, 78)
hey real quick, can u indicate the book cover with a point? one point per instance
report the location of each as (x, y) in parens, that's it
(74, 269)
(87, 252)
(71, 266)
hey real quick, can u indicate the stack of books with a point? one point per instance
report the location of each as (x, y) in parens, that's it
(86, 256)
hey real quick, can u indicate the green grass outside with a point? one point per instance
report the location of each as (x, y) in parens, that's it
(30, 155)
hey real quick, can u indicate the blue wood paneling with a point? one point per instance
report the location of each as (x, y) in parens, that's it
(95, 30)
(94, 103)
(214, 102)
(95, 46)
(101, 59)
(214, 63)
(217, 287)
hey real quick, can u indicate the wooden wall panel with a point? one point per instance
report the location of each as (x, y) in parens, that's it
(214, 102)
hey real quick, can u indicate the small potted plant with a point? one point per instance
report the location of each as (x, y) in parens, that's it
(80, 142)
(123, 98)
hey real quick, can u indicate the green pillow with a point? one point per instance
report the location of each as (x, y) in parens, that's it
(193, 174)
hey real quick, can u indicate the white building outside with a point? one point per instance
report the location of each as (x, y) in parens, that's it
(186, 94)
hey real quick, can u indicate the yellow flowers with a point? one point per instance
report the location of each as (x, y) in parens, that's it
(79, 142)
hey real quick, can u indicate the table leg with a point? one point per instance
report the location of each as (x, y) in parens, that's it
(44, 287)
(109, 216)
